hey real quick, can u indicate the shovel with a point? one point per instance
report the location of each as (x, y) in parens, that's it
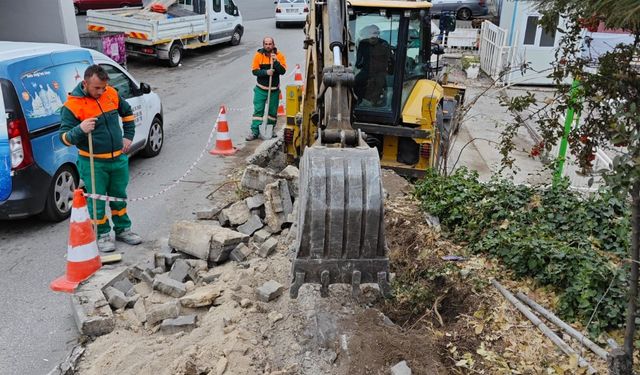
(266, 130)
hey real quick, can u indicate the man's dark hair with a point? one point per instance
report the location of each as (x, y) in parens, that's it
(96, 70)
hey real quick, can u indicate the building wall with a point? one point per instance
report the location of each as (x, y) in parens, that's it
(38, 21)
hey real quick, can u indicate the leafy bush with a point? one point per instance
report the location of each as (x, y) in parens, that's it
(556, 236)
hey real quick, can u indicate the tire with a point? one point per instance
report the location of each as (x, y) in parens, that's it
(155, 139)
(60, 194)
(175, 55)
(236, 37)
(464, 14)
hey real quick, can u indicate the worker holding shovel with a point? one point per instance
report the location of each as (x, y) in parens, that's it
(268, 65)
(89, 120)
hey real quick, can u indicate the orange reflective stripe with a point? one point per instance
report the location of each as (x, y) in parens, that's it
(65, 140)
(101, 221)
(121, 212)
(106, 155)
(129, 118)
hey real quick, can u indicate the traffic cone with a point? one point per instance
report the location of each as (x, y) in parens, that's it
(83, 259)
(297, 78)
(281, 106)
(223, 140)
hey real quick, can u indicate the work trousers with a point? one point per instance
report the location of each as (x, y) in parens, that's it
(259, 102)
(112, 178)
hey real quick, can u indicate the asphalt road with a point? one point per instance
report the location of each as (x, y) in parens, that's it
(38, 329)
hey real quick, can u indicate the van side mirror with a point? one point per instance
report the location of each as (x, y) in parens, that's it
(145, 88)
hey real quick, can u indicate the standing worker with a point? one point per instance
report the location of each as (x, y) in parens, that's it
(268, 65)
(94, 107)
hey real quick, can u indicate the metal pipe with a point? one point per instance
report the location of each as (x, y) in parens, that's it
(337, 56)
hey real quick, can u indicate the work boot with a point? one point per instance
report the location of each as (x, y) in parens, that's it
(128, 237)
(251, 137)
(105, 244)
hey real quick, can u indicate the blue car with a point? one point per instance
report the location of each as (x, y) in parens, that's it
(37, 171)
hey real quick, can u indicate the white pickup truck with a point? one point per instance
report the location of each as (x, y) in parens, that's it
(188, 24)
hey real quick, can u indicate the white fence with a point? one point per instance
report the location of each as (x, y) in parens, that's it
(494, 51)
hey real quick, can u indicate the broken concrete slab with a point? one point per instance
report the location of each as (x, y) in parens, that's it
(92, 313)
(268, 247)
(278, 205)
(125, 286)
(169, 286)
(201, 297)
(237, 214)
(115, 297)
(256, 201)
(140, 310)
(269, 291)
(261, 236)
(240, 253)
(180, 324)
(160, 312)
(256, 178)
(292, 175)
(253, 224)
(208, 213)
(401, 368)
(204, 241)
(180, 270)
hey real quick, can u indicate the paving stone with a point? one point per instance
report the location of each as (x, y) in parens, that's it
(125, 286)
(261, 236)
(169, 286)
(278, 205)
(160, 312)
(208, 213)
(201, 297)
(197, 264)
(170, 258)
(256, 201)
(253, 224)
(401, 368)
(240, 253)
(269, 291)
(160, 261)
(180, 270)
(267, 247)
(136, 271)
(147, 276)
(256, 178)
(180, 324)
(92, 313)
(115, 297)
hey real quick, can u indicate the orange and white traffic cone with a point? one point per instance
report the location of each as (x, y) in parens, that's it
(83, 259)
(297, 78)
(281, 106)
(223, 140)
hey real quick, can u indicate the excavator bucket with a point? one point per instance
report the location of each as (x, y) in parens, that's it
(340, 220)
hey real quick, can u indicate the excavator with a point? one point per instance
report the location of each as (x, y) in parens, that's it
(369, 99)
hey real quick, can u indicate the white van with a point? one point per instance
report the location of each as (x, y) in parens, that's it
(37, 171)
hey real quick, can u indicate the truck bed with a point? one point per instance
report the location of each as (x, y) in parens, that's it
(145, 28)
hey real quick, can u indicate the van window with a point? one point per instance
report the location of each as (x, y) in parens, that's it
(217, 5)
(119, 81)
(44, 91)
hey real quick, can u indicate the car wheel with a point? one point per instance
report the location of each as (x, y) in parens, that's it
(60, 194)
(175, 55)
(236, 37)
(464, 14)
(155, 139)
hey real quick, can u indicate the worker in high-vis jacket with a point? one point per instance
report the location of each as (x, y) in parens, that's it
(95, 107)
(265, 70)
